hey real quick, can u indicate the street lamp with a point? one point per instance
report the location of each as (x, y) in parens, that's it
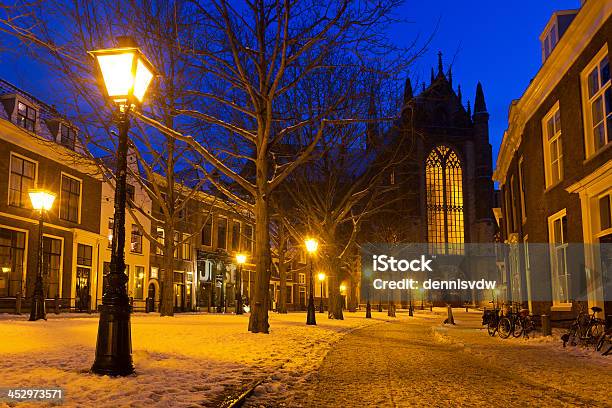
(321, 279)
(42, 201)
(240, 259)
(127, 74)
(311, 246)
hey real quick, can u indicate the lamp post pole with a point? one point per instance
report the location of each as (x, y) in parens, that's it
(321, 300)
(37, 310)
(114, 345)
(311, 318)
(239, 291)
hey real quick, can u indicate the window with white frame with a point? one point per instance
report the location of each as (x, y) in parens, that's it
(521, 175)
(553, 150)
(549, 42)
(302, 278)
(186, 247)
(561, 279)
(136, 240)
(597, 102)
(26, 116)
(22, 178)
(605, 211)
(70, 199)
(68, 136)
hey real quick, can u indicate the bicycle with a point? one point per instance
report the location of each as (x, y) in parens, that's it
(512, 323)
(604, 344)
(490, 318)
(586, 329)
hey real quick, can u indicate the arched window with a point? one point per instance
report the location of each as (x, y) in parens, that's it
(444, 184)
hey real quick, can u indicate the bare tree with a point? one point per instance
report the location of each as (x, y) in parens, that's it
(243, 65)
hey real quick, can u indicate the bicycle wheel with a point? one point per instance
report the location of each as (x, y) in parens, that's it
(596, 331)
(504, 329)
(518, 328)
(492, 327)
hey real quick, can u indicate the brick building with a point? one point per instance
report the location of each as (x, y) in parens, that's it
(555, 169)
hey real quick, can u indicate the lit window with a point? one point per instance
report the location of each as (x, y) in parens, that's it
(597, 102)
(248, 242)
(52, 261)
(222, 233)
(154, 272)
(561, 283)
(177, 245)
(139, 283)
(235, 236)
(302, 278)
(136, 241)
(553, 150)
(159, 248)
(26, 116)
(22, 179)
(186, 247)
(444, 184)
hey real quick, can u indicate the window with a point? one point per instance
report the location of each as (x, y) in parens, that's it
(605, 214)
(139, 283)
(22, 178)
(131, 195)
(84, 256)
(26, 116)
(159, 248)
(549, 42)
(521, 175)
(136, 241)
(186, 247)
(222, 233)
(207, 232)
(597, 102)
(444, 184)
(513, 204)
(154, 272)
(177, 245)
(302, 278)
(561, 283)
(70, 199)
(111, 231)
(553, 151)
(235, 236)
(52, 258)
(248, 241)
(67, 136)
(12, 250)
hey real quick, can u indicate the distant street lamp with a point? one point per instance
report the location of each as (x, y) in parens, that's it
(343, 291)
(240, 259)
(321, 279)
(127, 74)
(311, 246)
(42, 201)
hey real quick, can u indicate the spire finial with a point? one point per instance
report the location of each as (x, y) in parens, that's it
(450, 76)
(459, 92)
(440, 63)
(407, 90)
(479, 102)
(469, 110)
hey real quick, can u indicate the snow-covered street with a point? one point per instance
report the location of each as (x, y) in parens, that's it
(200, 360)
(418, 362)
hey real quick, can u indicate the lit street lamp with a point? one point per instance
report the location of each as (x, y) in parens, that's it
(321, 279)
(343, 291)
(311, 246)
(240, 259)
(42, 201)
(127, 74)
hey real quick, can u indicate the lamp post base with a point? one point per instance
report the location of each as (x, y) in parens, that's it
(38, 310)
(368, 310)
(114, 345)
(311, 318)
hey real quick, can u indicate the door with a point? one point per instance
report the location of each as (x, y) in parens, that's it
(82, 289)
(178, 297)
(151, 297)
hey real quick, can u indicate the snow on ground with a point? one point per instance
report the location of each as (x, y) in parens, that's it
(187, 360)
(419, 361)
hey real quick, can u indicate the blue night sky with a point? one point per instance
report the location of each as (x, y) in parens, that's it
(495, 42)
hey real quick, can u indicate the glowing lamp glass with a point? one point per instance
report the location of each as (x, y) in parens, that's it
(41, 199)
(312, 245)
(126, 72)
(342, 288)
(321, 276)
(240, 258)
(6, 269)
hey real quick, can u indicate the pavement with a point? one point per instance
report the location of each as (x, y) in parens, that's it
(418, 362)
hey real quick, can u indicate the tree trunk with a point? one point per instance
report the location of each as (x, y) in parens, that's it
(258, 322)
(335, 298)
(282, 270)
(166, 306)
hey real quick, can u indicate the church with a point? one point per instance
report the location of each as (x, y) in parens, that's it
(443, 194)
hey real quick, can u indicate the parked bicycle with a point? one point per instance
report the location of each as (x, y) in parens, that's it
(585, 329)
(604, 344)
(517, 322)
(490, 318)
